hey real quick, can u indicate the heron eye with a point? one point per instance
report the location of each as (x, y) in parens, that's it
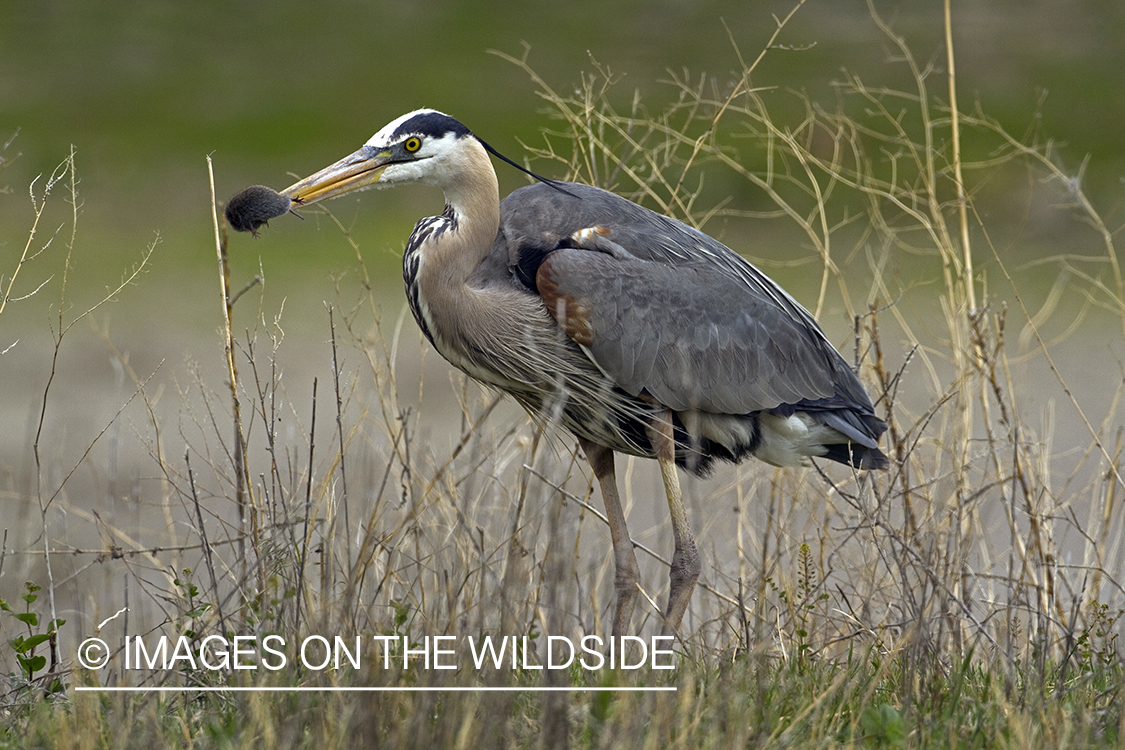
(412, 144)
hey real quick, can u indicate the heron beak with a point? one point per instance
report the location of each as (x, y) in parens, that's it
(361, 169)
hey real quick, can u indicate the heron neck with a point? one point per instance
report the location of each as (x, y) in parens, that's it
(472, 199)
(452, 247)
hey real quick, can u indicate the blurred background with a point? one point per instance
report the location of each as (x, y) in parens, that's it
(144, 91)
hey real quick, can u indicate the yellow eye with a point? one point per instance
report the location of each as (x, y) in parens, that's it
(412, 144)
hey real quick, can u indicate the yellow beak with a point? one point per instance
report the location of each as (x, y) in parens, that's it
(355, 172)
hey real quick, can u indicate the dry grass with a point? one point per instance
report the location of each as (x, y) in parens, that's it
(971, 595)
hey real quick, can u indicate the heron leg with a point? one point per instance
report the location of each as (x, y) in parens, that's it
(626, 575)
(685, 558)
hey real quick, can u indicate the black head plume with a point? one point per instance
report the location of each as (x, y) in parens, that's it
(552, 183)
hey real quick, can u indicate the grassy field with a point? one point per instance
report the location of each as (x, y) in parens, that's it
(969, 597)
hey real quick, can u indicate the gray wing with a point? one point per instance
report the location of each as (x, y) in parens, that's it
(665, 310)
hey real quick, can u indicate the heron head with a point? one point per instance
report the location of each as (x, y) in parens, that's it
(423, 146)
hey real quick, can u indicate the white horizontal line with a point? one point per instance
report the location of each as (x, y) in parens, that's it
(336, 689)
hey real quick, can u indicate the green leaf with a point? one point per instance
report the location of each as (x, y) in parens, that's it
(883, 725)
(198, 611)
(27, 645)
(32, 664)
(30, 618)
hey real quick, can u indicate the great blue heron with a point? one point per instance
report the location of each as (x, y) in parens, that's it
(636, 332)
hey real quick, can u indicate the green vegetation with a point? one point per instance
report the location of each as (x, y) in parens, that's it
(27, 648)
(970, 597)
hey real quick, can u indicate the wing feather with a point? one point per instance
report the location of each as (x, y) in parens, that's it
(667, 312)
